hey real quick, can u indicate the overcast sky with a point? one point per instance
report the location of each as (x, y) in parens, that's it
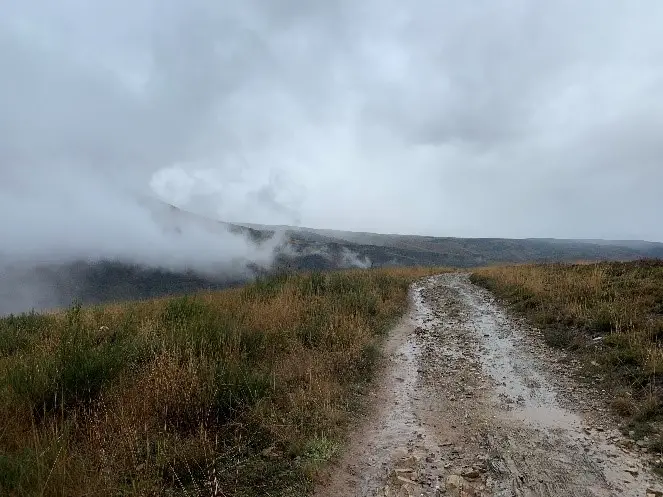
(456, 118)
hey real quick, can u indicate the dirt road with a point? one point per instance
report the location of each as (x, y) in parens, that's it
(473, 403)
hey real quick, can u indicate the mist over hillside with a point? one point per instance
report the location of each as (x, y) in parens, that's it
(27, 284)
(465, 119)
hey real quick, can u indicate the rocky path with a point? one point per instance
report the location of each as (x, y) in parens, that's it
(473, 404)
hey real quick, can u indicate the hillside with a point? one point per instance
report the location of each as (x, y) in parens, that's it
(53, 285)
(388, 249)
(270, 389)
(241, 392)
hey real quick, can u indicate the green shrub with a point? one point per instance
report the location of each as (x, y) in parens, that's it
(74, 374)
(17, 331)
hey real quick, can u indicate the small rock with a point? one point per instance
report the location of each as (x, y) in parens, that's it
(268, 452)
(455, 482)
(459, 487)
(632, 471)
(654, 493)
(402, 479)
(471, 474)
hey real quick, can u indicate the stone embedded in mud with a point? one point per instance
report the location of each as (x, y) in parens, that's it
(471, 474)
(407, 481)
(410, 461)
(457, 486)
(456, 481)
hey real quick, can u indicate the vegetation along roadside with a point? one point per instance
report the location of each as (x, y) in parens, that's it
(239, 392)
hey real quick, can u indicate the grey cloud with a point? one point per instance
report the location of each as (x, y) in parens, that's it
(515, 118)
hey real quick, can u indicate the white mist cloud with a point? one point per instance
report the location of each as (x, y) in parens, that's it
(515, 118)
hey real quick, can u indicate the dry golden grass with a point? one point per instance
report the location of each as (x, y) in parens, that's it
(609, 313)
(241, 392)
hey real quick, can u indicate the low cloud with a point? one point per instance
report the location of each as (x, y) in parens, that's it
(516, 119)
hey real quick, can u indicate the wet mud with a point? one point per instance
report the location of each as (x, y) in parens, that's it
(471, 403)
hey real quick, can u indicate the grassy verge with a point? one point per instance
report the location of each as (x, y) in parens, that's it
(242, 392)
(610, 314)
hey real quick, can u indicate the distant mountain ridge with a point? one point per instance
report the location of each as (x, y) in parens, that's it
(385, 249)
(293, 249)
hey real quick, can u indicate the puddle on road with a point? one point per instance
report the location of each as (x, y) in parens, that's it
(421, 313)
(396, 424)
(400, 419)
(529, 397)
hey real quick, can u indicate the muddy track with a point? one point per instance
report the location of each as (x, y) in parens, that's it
(473, 404)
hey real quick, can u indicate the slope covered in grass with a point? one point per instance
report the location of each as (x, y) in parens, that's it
(240, 392)
(611, 314)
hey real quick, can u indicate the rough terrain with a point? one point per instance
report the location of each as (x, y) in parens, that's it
(472, 403)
